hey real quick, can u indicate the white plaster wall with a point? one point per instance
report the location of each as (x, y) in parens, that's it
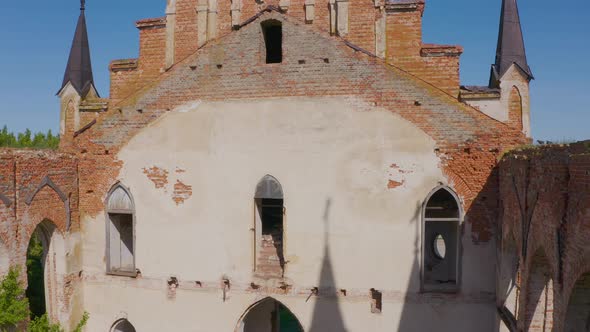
(495, 108)
(498, 108)
(334, 163)
(515, 77)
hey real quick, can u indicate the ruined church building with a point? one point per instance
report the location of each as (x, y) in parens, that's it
(301, 165)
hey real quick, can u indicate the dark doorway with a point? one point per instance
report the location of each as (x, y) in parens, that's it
(270, 315)
(35, 276)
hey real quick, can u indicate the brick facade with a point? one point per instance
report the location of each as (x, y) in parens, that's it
(378, 60)
(545, 197)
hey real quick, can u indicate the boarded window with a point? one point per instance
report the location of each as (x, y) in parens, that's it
(120, 231)
(441, 241)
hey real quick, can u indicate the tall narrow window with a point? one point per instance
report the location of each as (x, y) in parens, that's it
(273, 40)
(120, 233)
(442, 217)
(270, 260)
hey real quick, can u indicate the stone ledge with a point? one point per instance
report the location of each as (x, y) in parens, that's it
(393, 6)
(151, 23)
(433, 50)
(94, 105)
(123, 65)
(479, 92)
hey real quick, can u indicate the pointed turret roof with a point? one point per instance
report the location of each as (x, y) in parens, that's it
(510, 41)
(79, 68)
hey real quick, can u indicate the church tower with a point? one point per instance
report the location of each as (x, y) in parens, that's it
(78, 83)
(511, 72)
(506, 98)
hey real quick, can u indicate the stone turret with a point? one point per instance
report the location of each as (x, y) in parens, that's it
(78, 84)
(506, 98)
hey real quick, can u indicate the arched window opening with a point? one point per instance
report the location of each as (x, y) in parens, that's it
(442, 217)
(269, 315)
(269, 228)
(272, 30)
(123, 325)
(45, 270)
(577, 318)
(515, 109)
(539, 301)
(120, 233)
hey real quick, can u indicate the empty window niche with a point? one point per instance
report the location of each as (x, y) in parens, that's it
(120, 233)
(269, 226)
(272, 31)
(376, 301)
(442, 218)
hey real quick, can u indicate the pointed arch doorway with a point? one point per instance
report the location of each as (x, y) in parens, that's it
(269, 315)
(46, 264)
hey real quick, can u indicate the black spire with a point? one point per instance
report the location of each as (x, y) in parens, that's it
(510, 41)
(79, 68)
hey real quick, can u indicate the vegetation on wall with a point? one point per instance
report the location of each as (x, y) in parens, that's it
(36, 289)
(28, 139)
(14, 309)
(14, 306)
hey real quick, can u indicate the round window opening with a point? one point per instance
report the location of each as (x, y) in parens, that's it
(439, 246)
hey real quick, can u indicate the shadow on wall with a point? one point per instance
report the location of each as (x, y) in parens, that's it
(326, 313)
(441, 307)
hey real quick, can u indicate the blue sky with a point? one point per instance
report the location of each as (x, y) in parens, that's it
(37, 35)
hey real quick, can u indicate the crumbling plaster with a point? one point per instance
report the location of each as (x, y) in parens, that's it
(334, 164)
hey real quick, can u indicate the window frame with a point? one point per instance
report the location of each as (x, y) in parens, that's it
(108, 223)
(441, 288)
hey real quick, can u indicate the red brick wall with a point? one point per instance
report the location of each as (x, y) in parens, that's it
(545, 195)
(437, 65)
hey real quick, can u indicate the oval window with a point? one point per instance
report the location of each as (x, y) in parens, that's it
(439, 246)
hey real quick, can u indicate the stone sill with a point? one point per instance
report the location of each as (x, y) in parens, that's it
(123, 65)
(151, 23)
(433, 50)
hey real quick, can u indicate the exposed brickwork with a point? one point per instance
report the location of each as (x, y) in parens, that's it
(182, 192)
(157, 175)
(545, 195)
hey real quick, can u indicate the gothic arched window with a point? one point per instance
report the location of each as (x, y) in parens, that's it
(120, 232)
(440, 258)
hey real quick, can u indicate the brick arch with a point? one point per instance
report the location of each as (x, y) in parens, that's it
(537, 310)
(515, 108)
(54, 263)
(258, 304)
(48, 183)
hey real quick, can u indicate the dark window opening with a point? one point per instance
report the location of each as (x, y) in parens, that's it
(273, 41)
(271, 217)
(271, 213)
(441, 239)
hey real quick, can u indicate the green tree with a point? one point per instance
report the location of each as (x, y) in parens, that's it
(14, 306)
(28, 139)
(36, 288)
